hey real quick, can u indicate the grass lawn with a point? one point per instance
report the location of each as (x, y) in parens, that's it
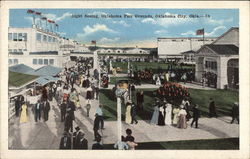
(142, 65)
(18, 79)
(207, 144)
(113, 80)
(224, 100)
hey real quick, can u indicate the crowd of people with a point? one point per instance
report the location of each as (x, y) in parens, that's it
(77, 80)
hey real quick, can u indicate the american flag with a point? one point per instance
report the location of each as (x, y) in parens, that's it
(93, 42)
(200, 32)
(30, 11)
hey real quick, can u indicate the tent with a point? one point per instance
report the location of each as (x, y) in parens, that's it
(46, 71)
(46, 79)
(20, 68)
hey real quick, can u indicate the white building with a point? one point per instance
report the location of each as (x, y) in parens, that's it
(171, 48)
(35, 47)
(221, 58)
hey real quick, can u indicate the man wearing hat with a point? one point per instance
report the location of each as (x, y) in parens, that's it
(235, 112)
(81, 142)
(196, 115)
(65, 141)
(75, 137)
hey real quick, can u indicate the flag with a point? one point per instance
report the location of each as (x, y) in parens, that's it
(44, 18)
(200, 32)
(30, 11)
(38, 13)
(93, 42)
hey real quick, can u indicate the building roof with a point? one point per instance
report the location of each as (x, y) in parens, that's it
(232, 28)
(188, 52)
(46, 71)
(44, 53)
(46, 79)
(17, 79)
(224, 49)
(67, 46)
(20, 68)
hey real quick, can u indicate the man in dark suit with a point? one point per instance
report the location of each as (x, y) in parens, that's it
(68, 123)
(63, 108)
(196, 115)
(76, 136)
(235, 112)
(140, 99)
(17, 105)
(81, 142)
(37, 110)
(70, 109)
(96, 127)
(65, 141)
(97, 145)
(212, 109)
(133, 114)
(46, 110)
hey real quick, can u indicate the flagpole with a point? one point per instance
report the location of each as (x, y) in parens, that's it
(203, 36)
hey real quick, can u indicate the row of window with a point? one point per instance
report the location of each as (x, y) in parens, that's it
(17, 50)
(13, 61)
(211, 65)
(43, 61)
(45, 38)
(17, 36)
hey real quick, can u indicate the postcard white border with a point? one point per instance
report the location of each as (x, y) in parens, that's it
(243, 6)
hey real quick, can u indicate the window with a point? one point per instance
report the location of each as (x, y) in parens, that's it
(15, 61)
(50, 39)
(20, 50)
(45, 62)
(24, 36)
(15, 37)
(10, 50)
(10, 61)
(10, 36)
(44, 38)
(38, 37)
(34, 61)
(40, 61)
(20, 37)
(15, 50)
(51, 61)
(54, 40)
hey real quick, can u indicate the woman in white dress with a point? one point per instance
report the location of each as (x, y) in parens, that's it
(128, 117)
(175, 112)
(168, 117)
(182, 123)
(158, 81)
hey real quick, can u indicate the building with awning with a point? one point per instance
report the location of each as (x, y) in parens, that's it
(45, 80)
(20, 68)
(46, 71)
(221, 60)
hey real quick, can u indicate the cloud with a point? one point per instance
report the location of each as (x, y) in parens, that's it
(149, 20)
(122, 22)
(188, 33)
(107, 40)
(169, 20)
(95, 28)
(65, 15)
(159, 32)
(56, 18)
(215, 31)
(218, 22)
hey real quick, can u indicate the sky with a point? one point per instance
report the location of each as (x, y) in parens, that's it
(135, 27)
